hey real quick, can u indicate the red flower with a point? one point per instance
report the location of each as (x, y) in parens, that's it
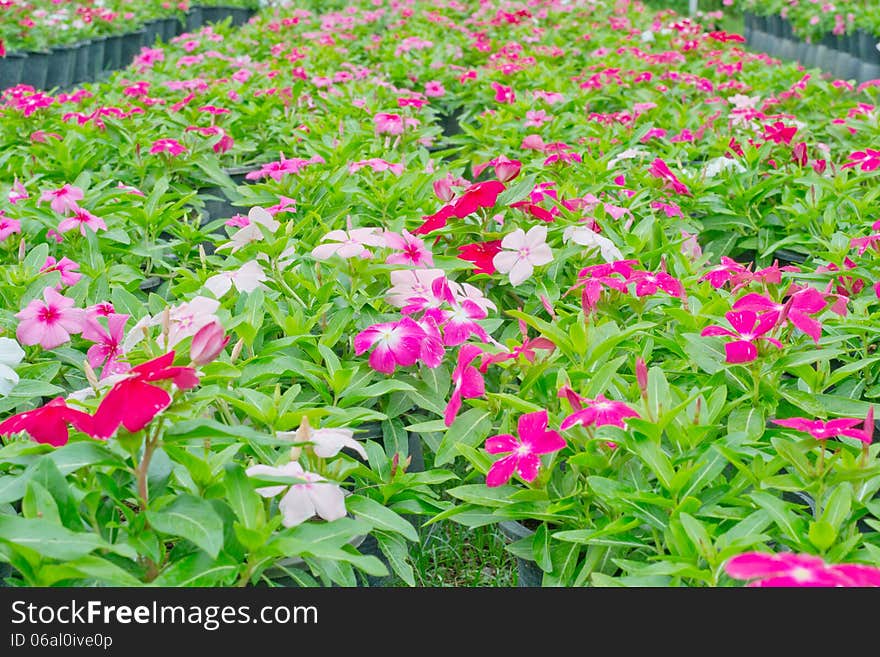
(133, 402)
(48, 424)
(481, 254)
(480, 195)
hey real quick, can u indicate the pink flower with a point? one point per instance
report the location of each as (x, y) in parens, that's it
(728, 270)
(536, 119)
(396, 343)
(797, 309)
(409, 283)
(133, 402)
(659, 169)
(18, 193)
(246, 278)
(301, 501)
(170, 146)
(525, 450)
(277, 170)
(378, 165)
(787, 570)
(866, 160)
(349, 244)
(522, 252)
(8, 226)
(479, 195)
(412, 250)
(207, 343)
(779, 133)
(599, 412)
(503, 94)
(63, 200)
(66, 266)
(108, 343)
(467, 381)
(832, 428)
(48, 424)
(648, 283)
(48, 323)
(82, 219)
(748, 328)
(434, 89)
(388, 124)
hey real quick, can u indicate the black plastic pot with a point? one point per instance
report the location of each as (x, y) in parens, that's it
(61, 64)
(194, 19)
(787, 29)
(774, 25)
(530, 574)
(131, 46)
(241, 15)
(215, 14)
(113, 52)
(96, 57)
(35, 69)
(170, 28)
(10, 69)
(82, 67)
(154, 30)
(5, 571)
(867, 47)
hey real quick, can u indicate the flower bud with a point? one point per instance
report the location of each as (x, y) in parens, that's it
(506, 170)
(236, 350)
(642, 375)
(443, 189)
(207, 343)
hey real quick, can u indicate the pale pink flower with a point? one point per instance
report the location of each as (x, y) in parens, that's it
(108, 343)
(388, 124)
(434, 89)
(409, 283)
(258, 218)
(8, 226)
(412, 250)
(50, 322)
(301, 501)
(63, 200)
(286, 165)
(66, 266)
(185, 320)
(350, 244)
(522, 252)
(17, 193)
(327, 442)
(378, 165)
(246, 278)
(82, 219)
(536, 119)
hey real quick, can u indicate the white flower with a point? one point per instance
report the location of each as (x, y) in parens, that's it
(247, 278)
(628, 154)
(715, 166)
(325, 442)
(315, 496)
(647, 36)
(524, 251)
(10, 356)
(409, 283)
(257, 217)
(586, 237)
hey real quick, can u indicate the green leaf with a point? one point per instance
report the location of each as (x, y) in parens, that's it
(199, 569)
(192, 518)
(838, 505)
(706, 353)
(395, 550)
(47, 538)
(782, 516)
(244, 501)
(470, 428)
(541, 548)
(90, 566)
(698, 535)
(822, 534)
(750, 420)
(655, 458)
(380, 516)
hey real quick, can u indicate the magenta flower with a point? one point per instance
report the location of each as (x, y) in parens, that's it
(797, 309)
(659, 169)
(599, 412)
(66, 266)
(787, 569)
(376, 164)
(18, 192)
(388, 124)
(8, 227)
(779, 133)
(108, 343)
(525, 450)
(728, 271)
(63, 200)
(503, 94)
(648, 283)
(396, 343)
(832, 428)
(866, 160)
(48, 323)
(412, 250)
(749, 328)
(467, 381)
(170, 146)
(82, 219)
(277, 170)
(434, 89)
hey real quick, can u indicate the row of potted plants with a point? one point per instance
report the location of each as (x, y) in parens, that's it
(46, 53)
(812, 21)
(552, 259)
(850, 55)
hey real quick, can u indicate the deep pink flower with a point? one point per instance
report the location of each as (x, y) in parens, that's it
(503, 94)
(481, 254)
(648, 283)
(866, 160)
(388, 124)
(832, 428)
(8, 226)
(659, 169)
(728, 271)
(412, 250)
(479, 195)
(133, 402)
(599, 412)
(48, 323)
(779, 133)
(396, 343)
(467, 381)
(170, 146)
(63, 200)
(82, 219)
(797, 310)
(108, 343)
(748, 327)
(787, 569)
(48, 424)
(277, 170)
(18, 192)
(534, 440)
(208, 342)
